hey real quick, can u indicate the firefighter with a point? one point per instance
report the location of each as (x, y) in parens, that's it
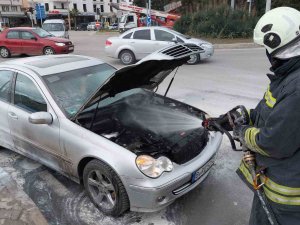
(273, 132)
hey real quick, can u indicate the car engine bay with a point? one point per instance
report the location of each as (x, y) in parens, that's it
(147, 123)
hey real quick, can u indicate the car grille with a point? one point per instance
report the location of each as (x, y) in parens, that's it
(182, 50)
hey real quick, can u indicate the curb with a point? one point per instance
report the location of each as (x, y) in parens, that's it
(15, 205)
(236, 46)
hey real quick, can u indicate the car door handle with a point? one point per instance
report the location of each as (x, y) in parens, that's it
(132, 42)
(13, 115)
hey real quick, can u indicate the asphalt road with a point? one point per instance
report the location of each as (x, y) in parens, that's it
(230, 78)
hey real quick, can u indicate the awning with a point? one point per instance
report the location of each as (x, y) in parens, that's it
(13, 16)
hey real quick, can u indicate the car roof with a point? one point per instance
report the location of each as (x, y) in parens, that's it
(52, 64)
(144, 28)
(22, 28)
(54, 21)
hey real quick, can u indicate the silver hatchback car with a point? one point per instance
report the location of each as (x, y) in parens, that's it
(130, 147)
(137, 43)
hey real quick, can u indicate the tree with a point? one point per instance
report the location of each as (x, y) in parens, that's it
(291, 3)
(73, 14)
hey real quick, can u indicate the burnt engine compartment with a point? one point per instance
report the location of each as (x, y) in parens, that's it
(145, 122)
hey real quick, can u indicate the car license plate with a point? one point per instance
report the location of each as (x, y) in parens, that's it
(71, 48)
(203, 170)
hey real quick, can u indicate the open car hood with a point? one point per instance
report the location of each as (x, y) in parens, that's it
(147, 73)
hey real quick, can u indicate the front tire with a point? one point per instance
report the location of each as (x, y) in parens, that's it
(195, 58)
(4, 52)
(105, 188)
(48, 51)
(127, 57)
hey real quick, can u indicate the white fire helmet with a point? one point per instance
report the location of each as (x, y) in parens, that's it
(279, 32)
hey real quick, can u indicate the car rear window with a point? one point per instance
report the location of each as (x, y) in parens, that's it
(142, 34)
(13, 34)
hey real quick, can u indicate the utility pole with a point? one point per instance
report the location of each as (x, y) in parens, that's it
(149, 14)
(69, 19)
(268, 5)
(232, 4)
(250, 6)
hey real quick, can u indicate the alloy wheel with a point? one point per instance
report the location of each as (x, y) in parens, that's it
(4, 52)
(126, 58)
(48, 51)
(102, 189)
(193, 59)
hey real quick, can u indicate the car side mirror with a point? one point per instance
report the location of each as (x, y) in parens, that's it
(40, 118)
(174, 40)
(33, 38)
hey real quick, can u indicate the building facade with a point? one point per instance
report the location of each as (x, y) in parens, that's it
(86, 9)
(11, 13)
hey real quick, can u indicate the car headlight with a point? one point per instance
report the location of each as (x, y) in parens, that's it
(60, 44)
(206, 45)
(152, 167)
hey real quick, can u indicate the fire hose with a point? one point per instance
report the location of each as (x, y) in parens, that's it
(248, 158)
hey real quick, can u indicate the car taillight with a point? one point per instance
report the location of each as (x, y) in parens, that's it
(108, 43)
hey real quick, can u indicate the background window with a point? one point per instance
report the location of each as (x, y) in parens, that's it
(27, 95)
(5, 80)
(142, 34)
(13, 35)
(27, 35)
(161, 35)
(84, 7)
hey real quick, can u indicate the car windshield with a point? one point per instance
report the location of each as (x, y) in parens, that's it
(72, 89)
(53, 27)
(42, 33)
(181, 35)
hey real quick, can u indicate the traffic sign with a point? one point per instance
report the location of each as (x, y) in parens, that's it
(40, 11)
(148, 21)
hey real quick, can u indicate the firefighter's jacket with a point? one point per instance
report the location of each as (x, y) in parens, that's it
(274, 136)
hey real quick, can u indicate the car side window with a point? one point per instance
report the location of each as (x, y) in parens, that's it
(27, 35)
(28, 96)
(13, 34)
(127, 36)
(161, 35)
(5, 81)
(142, 34)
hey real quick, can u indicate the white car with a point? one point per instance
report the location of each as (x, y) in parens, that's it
(91, 26)
(107, 129)
(137, 43)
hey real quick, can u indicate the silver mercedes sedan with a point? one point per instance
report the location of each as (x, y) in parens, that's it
(107, 129)
(139, 42)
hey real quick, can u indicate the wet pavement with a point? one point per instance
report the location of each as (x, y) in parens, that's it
(16, 208)
(63, 202)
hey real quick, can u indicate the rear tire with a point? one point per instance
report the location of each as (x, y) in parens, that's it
(4, 52)
(48, 51)
(105, 188)
(127, 57)
(194, 59)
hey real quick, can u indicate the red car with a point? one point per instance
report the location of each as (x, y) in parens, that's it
(32, 41)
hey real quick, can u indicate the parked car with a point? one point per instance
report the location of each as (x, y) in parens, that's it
(113, 26)
(32, 41)
(81, 26)
(139, 42)
(57, 27)
(107, 129)
(92, 26)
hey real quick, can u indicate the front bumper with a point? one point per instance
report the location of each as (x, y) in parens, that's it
(149, 199)
(64, 49)
(207, 54)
